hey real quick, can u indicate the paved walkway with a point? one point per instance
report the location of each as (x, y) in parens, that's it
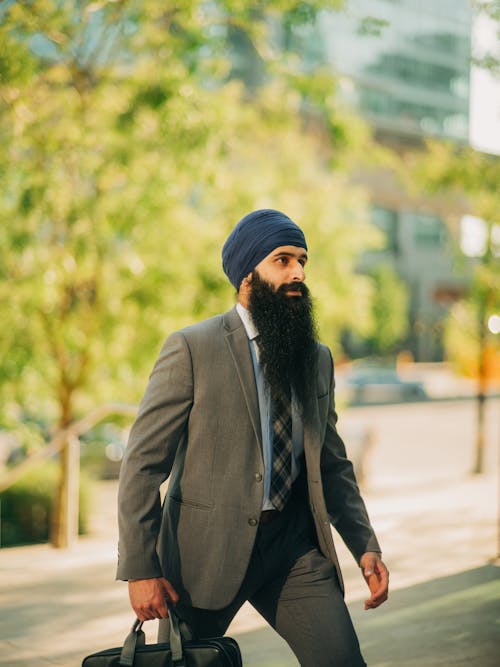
(439, 536)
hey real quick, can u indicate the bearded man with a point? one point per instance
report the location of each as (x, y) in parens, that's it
(239, 414)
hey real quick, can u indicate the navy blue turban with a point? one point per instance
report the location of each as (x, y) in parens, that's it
(253, 238)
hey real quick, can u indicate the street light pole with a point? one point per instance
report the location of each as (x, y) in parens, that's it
(481, 389)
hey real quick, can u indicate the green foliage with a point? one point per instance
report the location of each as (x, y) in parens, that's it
(461, 337)
(459, 171)
(372, 26)
(488, 60)
(128, 152)
(26, 508)
(389, 310)
(469, 179)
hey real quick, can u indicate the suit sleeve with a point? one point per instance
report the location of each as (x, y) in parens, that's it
(344, 503)
(152, 446)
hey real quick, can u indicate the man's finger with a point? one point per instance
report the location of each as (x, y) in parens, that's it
(171, 594)
(375, 601)
(377, 577)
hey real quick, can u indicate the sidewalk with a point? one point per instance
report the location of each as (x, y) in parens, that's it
(446, 622)
(58, 606)
(438, 532)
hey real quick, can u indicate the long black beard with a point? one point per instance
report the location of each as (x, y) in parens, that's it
(288, 351)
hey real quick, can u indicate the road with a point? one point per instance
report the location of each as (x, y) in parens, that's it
(437, 525)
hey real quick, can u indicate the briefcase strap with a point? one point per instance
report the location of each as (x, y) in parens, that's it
(175, 638)
(137, 637)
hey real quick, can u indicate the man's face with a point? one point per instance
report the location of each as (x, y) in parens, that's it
(284, 266)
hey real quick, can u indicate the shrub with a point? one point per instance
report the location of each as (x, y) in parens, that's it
(26, 507)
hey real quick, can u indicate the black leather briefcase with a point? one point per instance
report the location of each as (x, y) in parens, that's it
(213, 652)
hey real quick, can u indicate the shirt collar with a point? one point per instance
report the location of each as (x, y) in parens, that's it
(246, 318)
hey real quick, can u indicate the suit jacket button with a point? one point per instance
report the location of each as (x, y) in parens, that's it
(252, 522)
(258, 477)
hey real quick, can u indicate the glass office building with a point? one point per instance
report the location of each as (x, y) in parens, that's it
(403, 63)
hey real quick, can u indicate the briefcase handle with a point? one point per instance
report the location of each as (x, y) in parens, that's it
(137, 637)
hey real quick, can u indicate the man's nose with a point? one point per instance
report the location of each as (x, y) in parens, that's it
(298, 273)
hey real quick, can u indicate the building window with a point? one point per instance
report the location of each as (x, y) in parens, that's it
(428, 230)
(387, 221)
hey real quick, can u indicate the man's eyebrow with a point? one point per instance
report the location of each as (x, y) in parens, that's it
(283, 253)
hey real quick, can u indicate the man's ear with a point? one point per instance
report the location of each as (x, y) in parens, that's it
(245, 289)
(247, 280)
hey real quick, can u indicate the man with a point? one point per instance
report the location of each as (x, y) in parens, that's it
(239, 414)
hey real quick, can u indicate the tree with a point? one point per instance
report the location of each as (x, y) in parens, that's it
(488, 60)
(129, 150)
(389, 308)
(471, 179)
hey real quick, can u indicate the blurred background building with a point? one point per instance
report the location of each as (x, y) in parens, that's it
(405, 66)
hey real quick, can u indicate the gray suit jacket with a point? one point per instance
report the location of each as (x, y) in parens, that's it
(198, 424)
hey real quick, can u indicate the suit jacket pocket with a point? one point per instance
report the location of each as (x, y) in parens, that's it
(191, 502)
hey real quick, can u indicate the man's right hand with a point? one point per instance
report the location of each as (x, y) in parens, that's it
(148, 597)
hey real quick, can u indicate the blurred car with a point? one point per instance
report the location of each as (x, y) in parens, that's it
(370, 386)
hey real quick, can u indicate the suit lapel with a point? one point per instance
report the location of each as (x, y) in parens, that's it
(312, 449)
(312, 430)
(238, 343)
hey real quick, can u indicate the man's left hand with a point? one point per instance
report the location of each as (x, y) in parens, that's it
(377, 577)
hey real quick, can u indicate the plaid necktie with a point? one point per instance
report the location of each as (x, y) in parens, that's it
(281, 473)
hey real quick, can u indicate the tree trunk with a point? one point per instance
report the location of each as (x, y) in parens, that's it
(64, 528)
(66, 507)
